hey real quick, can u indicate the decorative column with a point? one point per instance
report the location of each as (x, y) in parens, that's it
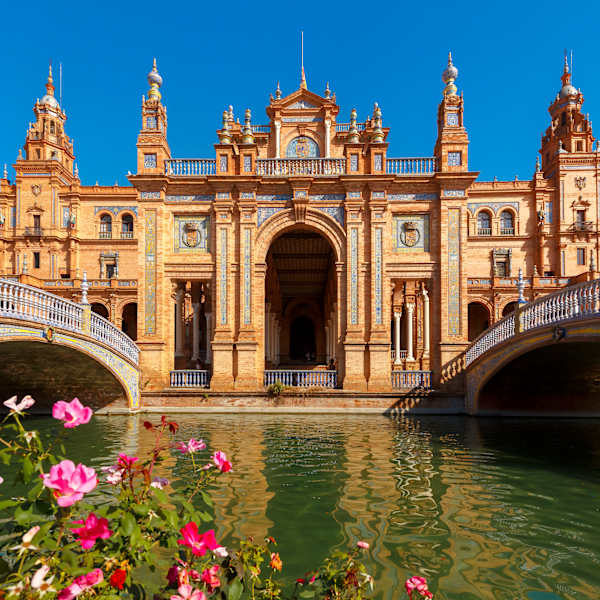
(179, 339)
(425, 322)
(196, 331)
(327, 344)
(327, 138)
(397, 317)
(277, 139)
(268, 331)
(277, 336)
(208, 319)
(409, 331)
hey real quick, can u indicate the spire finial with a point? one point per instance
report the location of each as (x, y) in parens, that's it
(278, 92)
(302, 75)
(537, 165)
(50, 81)
(5, 175)
(327, 91)
(449, 77)
(247, 136)
(155, 81)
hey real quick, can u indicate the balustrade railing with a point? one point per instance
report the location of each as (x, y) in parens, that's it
(402, 354)
(191, 166)
(27, 303)
(411, 166)
(484, 231)
(576, 302)
(344, 127)
(300, 166)
(189, 378)
(403, 380)
(260, 128)
(33, 231)
(297, 378)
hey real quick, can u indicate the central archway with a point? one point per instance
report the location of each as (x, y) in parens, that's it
(300, 301)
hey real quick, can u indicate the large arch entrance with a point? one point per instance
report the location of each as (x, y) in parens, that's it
(301, 330)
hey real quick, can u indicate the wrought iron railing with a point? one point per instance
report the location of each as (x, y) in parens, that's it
(294, 378)
(300, 166)
(189, 378)
(190, 166)
(408, 380)
(27, 303)
(411, 166)
(575, 302)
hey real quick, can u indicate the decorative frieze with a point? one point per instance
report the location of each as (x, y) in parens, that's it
(454, 325)
(453, 193)
(412, 197)
(327, 197)
(190, 198)
(335, 212)
(247, 275)
(150, 273)
(150, 195)
(115, 210)
(273, 197)
(264, 212)
(223, 276)
(473, 207)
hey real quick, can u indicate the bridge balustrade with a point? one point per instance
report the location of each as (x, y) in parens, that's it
(298, 378)
(27, 303)
(576, 302)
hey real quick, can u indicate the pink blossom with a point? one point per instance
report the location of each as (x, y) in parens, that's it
(159, 483)
(198, 543)
(26, 544)
(183, 574)
(1, 479)
(19, 407)
(187, 592)
(80, 584)
(70, 482)
(93, 528)
(72, 413)
(192, 446)
(115, 474)
(125, 461)
(221, 461)
(209, 576)
(221, 552)
(419, 584)
(363, 545)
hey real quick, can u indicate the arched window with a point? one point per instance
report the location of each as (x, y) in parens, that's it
(507, 223)
(484, 223)
(127, 227)
(105, 227)
(52, 127)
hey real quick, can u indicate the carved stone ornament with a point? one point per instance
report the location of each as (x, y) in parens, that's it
(580, 182)
(410, 235)
(36, 189)
(191, 235)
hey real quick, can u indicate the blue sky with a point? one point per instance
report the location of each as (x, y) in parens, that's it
(210, 55)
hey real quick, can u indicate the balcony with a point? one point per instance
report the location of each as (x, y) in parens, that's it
(315, 167)
(484, 231)
(299, 378)
(507, 231)
(408, 380)
(126, 235)
(189, 378)
(191, 167)
(105, 234)
(582, 226)
(33, 231)
(411, 166)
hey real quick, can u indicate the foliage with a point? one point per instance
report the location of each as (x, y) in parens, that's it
(276, 389)
(130, 533)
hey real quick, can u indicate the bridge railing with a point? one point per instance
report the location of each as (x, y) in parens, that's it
(27, 303)
(575, 302)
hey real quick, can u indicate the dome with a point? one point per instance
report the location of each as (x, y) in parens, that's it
(50, 101)
(450, 73)
(568, 90)
(154, 77)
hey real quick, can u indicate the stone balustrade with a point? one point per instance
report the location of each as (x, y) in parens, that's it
(189, 378)
(576, 302)
(298, 378)
(300, 166)
(408, 380)
(190, 167)
(345, 127)
(411, 166)
(26, 303)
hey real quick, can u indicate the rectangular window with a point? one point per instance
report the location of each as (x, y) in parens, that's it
(223, 163)
(36, 260)
(454, 159)
(501, 268)
(378, 163)
(150, 161)
(548, 210)
(247, 163)
(581, 256)
(150, 122)
(548, 273)
(580, 220)
(354, 163)
(579, 147)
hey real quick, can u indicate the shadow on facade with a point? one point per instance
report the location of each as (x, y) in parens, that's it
(50, 372)
(562, 379)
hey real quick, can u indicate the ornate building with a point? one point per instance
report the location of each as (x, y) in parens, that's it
(301, 251)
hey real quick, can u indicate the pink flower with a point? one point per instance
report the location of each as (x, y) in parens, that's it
(363, 545)
(180, 575)
(72, 413)
(221, 552)
(198, 543)
(26, 402)
(80, 584)
(159, 483)
(26, 544)
(192, 446)
(221, 461)
(125, 461)
(70, 482)
(187, 592)
(1, 479)
(209, 576)
(93, 528)
(115, 474)
(38, 583)
(419, 584)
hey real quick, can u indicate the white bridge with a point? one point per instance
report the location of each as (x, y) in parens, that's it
(28, 314)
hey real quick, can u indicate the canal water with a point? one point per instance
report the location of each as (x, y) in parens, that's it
(484, 508)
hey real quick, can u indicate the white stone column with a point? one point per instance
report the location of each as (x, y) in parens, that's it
(179, 334)
(208, 317)
(327, 138)
(425, 322)
(267, 332)
(397, 316)
(277, 139)
(327, 344)
(335, 331)
(409, 331)
(196, 331)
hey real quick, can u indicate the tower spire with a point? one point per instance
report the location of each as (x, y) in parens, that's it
(155, 81)
(302, 75)
(50, 81)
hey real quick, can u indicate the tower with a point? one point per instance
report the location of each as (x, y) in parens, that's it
(451, 147)
(152, 145)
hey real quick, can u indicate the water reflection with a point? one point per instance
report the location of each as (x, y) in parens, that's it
(483, 508)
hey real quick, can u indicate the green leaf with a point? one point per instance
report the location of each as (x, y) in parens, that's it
(27, 469)
(207, 499)
(307, 594)
(8, 504)
(35, 491)
(161, 496)
(235, 590)
(128, 524)
(205, 516)
(23, 516)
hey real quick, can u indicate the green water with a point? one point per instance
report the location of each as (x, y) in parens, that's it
(502, 509)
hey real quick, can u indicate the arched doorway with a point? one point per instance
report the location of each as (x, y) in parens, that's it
(510, 307)
(129, 320)
(479, 319)
(99, 309)
(301, 329)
